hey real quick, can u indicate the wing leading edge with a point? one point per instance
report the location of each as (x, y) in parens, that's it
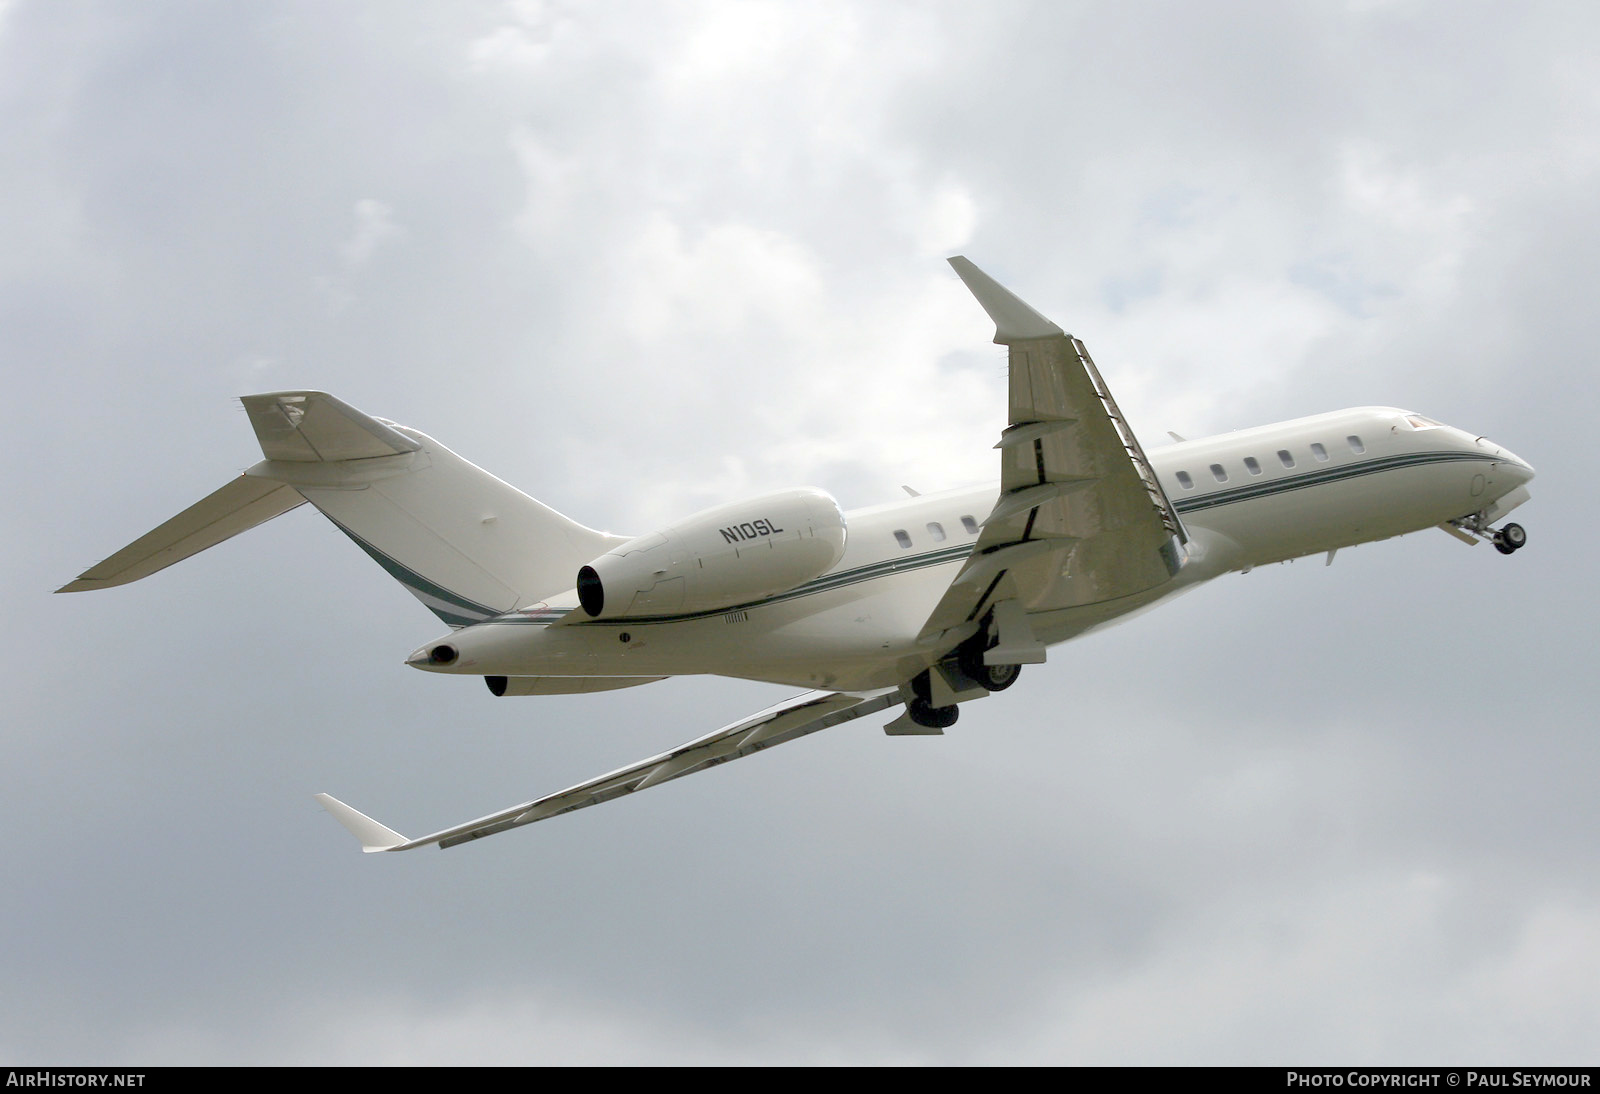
(1081, 518)
(786, 721)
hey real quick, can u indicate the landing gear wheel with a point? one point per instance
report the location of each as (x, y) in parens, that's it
(1513, 536)
(997, 677)
(926, 714)
(990, 677)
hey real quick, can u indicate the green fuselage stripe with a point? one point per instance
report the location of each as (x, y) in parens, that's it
(906, 563)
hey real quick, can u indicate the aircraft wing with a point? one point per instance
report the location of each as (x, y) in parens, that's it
(1081, 518)
(796, 717)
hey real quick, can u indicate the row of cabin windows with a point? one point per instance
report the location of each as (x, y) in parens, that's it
(1285, 457)
(1218, 472)
(936, 530)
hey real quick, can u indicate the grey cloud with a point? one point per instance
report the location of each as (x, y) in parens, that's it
(1308, 812)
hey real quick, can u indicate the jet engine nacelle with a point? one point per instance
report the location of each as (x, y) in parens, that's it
(719, 558)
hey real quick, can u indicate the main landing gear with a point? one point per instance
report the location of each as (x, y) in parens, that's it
(925, 713)
(1507, 539)
(923, 709)
(969, 658)
(963, 676)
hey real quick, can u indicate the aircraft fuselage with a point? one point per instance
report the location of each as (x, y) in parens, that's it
(1247, 498)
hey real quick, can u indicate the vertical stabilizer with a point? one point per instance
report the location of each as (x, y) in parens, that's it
(466, 544)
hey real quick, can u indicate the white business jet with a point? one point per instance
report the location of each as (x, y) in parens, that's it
(922, 604)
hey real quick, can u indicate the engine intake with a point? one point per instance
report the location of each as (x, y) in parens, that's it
(591, 593)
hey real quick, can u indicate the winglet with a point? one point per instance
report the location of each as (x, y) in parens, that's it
(373, 836)
(1014, 320)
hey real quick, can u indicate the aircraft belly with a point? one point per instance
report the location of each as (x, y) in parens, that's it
(1066, 623)
(852, 637)
(861, 638)
(1304, 522)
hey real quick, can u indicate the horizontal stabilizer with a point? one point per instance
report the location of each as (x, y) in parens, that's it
(313, 426)
(464, 543)
(238, 507)
(373, 836)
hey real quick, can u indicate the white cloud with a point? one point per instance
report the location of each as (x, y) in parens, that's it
(375, 226)
(730, 279)
(527, 41)
(374, 230)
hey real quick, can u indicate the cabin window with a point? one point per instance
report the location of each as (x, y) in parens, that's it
(1319, 452)
(1218, 473)
(902, 537)
(1355, 444)
(1251, 465)
(970, 525)
(1284, 457)
(936, 530)
(1185, 481)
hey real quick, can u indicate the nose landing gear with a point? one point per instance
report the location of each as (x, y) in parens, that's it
(1510, 538)
(1507, 539)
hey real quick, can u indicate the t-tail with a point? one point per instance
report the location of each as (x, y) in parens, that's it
(466, 544)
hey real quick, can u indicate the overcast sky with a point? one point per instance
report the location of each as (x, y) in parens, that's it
(641, 258)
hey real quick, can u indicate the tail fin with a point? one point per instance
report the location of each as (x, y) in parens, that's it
(464, 543)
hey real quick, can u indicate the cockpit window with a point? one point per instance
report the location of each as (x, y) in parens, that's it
(1417, 421)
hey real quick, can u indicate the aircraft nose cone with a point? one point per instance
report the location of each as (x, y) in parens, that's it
(1514, 466)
